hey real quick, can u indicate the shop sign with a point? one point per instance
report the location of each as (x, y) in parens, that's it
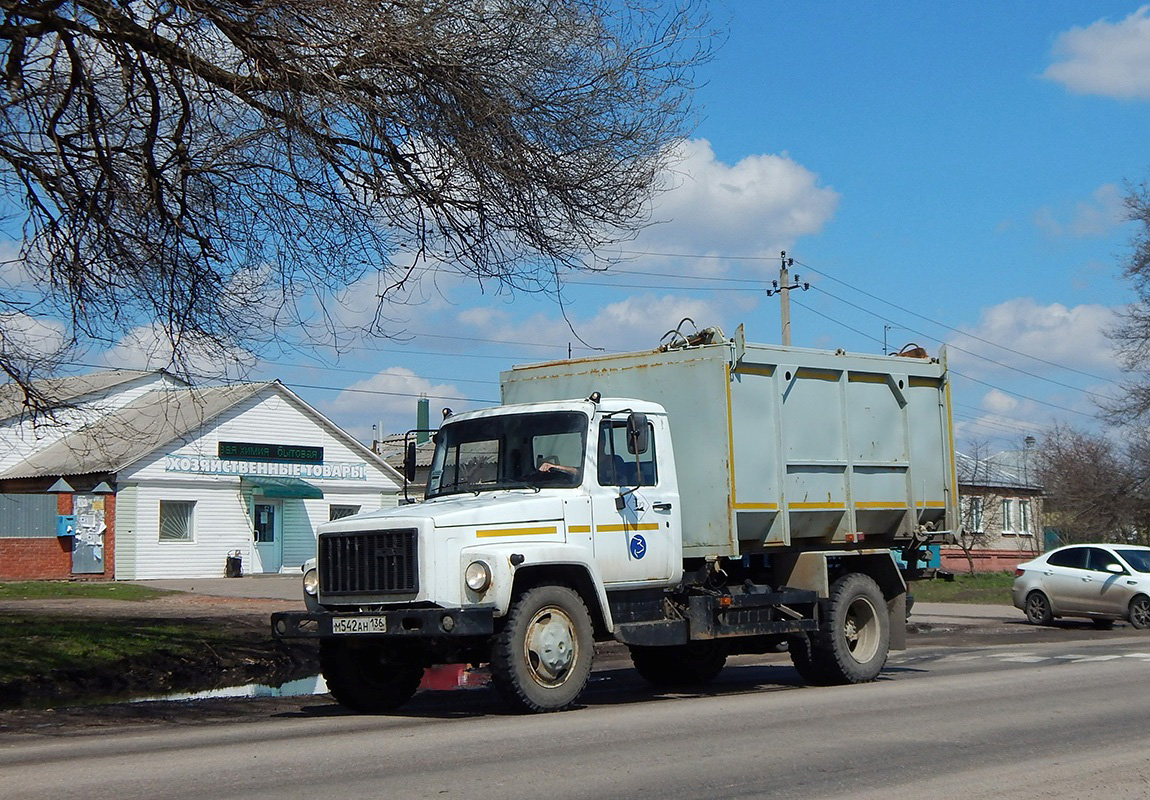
(329, 470)
(279, 453)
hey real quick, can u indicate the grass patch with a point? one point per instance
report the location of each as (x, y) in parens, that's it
(40, 645)
(102, 590)
(986, 587)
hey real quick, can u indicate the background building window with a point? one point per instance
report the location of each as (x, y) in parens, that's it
(176, 520)
(339, 512)
(1007, 517)
(1024, 517)
(973, 521)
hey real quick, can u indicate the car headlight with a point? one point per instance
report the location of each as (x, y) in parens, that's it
(311, 582)
(477, 576)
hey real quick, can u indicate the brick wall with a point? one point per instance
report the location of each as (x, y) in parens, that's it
(36, 559)
(954, 560)
(51, 559)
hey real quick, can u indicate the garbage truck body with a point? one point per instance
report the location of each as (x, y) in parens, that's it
(691, 502)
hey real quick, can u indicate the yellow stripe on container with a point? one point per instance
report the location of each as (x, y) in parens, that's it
(817, 506)
(892, 506)
(579, 528)
(756, 506)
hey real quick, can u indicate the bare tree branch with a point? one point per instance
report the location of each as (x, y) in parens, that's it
(223, 169)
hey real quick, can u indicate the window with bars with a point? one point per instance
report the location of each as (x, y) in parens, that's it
(176, 520)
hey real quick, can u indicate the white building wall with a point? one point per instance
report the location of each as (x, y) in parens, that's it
(223, 516)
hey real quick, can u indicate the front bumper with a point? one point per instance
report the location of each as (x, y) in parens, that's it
(401, 623)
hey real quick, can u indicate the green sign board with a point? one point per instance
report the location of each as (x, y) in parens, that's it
(280, 453)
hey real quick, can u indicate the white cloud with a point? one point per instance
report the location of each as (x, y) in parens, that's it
(1072, 337)
(755, 207)
(1099, 215)
(1105, 58)
(390, 399)
(30, 338)
(147, 347)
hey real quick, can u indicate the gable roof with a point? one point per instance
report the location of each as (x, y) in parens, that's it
(1000, 471)
(157, 419)
(68, 390)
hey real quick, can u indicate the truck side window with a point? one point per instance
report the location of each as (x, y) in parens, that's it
(617, 467)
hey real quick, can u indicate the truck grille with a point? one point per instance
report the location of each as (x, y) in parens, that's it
(369, 562)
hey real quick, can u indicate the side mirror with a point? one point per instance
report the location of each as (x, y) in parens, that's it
(1115, 568)
(637, 433)
(409, 462)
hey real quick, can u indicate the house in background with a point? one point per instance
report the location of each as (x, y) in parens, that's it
(141, 476)
(1000, 511)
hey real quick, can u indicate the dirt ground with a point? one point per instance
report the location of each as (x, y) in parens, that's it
(248, 654)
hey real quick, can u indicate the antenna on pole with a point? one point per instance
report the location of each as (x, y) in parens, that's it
(782, 287)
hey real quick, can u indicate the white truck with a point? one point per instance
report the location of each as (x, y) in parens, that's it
(707, 498)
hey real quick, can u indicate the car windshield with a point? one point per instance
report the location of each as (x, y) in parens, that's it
(1139, 560)
(509, 451)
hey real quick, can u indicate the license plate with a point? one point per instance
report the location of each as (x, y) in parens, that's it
(345, 625)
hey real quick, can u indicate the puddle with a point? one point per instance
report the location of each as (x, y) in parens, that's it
(442, 678)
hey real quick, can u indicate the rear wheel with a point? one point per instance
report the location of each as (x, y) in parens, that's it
(1038, 609)
(364, 678)
(1140, 612)
(691, 664)
(806, 661)
(542, 657)
(853, 642)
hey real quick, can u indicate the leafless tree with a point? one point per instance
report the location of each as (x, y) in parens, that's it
(974, 475)
(1132, 334)
(222, 169)
(1096, 488)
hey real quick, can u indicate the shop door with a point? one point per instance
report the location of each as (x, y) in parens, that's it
(88, 534)
(267, 534)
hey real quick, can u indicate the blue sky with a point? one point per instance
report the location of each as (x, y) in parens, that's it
(948, 170)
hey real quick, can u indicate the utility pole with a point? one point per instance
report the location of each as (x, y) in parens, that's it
(782, 287)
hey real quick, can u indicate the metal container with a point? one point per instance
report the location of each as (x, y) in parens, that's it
(783, 447)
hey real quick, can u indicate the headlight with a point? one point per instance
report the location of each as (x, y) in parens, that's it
(311, 582)
(477, 576)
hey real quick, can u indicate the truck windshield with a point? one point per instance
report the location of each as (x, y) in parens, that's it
(509, 451)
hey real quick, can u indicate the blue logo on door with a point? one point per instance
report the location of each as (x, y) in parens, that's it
(638, 546)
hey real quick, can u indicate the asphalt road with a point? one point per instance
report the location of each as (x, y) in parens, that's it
(1061, 719)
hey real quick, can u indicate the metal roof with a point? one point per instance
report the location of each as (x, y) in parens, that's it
(67, 391)
(126, 435)
(1006, 470)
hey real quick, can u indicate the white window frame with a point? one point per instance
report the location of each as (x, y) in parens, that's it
(1007, 515)
(350, 508)
(188, 510)
(975, 513)
(1024, 517)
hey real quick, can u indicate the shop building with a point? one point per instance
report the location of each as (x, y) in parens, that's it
(142, 476)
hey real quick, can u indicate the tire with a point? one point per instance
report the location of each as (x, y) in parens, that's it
(362, 678)
(692, 664)
(1102, 624)
(1038, 609)
(852, 643)
(1139, 615)
(542, 657)
(806, 662)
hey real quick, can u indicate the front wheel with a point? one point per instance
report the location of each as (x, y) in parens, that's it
(1140, 612)
(853, 642)
(542, 658)
(365, 678)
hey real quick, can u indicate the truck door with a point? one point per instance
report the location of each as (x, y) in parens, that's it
(635, 508)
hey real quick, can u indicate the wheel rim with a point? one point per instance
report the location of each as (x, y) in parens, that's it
(550, 646)
(1036, 608)
(1140, 613)
(861, 630)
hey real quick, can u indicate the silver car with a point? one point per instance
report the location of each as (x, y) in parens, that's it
(1101, 582)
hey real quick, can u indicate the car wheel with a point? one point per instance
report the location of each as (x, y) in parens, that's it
(1038, 609)
(1140, 612)
(542, 657)
(852, 642)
